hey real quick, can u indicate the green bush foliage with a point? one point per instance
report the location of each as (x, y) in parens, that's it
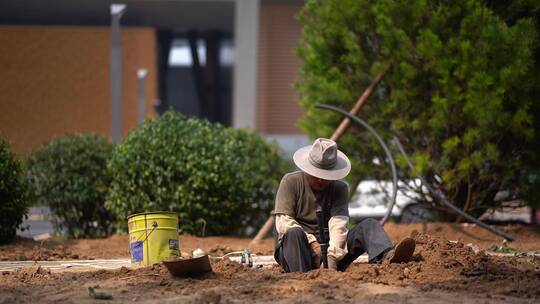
(69, 174)
(461, 90)
(13, 202)
(219, 180)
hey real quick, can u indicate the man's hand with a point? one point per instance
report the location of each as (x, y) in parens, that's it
(316, 254)
(332, 263)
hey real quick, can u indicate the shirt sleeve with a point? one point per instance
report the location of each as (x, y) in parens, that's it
(285, 198)
(285, 222)
(337, 226)
(340, 198)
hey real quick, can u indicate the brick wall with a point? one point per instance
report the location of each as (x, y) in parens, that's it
(55, 80)
(277, 101)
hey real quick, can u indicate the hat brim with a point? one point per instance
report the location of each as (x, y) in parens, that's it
(339, 171)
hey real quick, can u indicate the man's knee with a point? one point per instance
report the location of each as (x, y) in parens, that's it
(369, 221)
(296, 233)
(294, 253)
(365, 225)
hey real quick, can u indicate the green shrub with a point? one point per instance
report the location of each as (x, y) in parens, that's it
(461, 91)
(69, 174)
(13, 202)
(219, 180)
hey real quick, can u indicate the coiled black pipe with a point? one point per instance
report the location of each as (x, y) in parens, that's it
(440, 197)
(383, 145)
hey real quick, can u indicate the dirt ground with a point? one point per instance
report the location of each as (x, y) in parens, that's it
(527, 238)
(441, 271)
(117, 246)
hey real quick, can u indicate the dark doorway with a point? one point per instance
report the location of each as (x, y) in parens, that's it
(196, 74)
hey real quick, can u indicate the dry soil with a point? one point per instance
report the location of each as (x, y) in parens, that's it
(442, 271)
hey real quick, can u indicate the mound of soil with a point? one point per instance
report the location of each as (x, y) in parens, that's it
(441, 270)
(442, 264)
(527, 237)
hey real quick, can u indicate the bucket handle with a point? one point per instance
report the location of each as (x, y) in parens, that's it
(154, 226)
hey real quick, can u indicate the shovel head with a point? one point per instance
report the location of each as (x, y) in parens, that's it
(188, 267)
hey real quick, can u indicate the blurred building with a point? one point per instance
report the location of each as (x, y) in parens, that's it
(230, 61)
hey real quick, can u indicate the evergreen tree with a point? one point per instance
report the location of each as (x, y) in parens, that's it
(461, 90)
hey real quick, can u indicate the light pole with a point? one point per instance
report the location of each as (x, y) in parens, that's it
(117, 10)
(141, 74)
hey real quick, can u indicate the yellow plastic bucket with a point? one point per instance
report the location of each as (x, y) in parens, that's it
(153, 237)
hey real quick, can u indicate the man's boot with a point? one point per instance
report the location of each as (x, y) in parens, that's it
(402, 253)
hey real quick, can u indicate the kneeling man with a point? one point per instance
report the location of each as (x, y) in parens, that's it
(318, 185)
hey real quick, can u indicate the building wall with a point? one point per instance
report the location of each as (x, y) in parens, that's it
(277, 101)
(55, 80)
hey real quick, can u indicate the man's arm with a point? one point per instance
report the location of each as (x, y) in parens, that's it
(337, 226)
(285, 222)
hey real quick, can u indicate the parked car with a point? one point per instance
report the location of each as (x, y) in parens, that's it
(372, 198)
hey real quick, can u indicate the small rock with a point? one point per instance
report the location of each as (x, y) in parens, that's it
(314, 274)
(473, 247)
(406, 272)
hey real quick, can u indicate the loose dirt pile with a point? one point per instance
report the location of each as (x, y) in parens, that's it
(442, 264)
(527, 237)
(440, 270)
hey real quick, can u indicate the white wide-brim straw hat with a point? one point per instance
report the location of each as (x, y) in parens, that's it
(323, 160)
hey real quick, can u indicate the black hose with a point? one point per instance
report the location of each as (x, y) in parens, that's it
(437, 194)
(443, 200)
(383, 145)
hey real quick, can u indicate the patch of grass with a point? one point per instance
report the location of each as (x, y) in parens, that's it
(504, 248)
(534, 260)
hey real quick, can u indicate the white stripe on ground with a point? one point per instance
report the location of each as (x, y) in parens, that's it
(87, 265)
(66, 265)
